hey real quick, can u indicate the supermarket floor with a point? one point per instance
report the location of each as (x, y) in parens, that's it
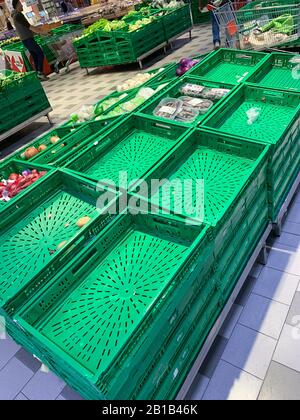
(256, 354)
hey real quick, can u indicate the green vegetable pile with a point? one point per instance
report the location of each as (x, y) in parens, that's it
(133, 21)
(9, 41)
(6, 80)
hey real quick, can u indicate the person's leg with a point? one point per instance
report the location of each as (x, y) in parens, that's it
(215, 31)
(37, 54)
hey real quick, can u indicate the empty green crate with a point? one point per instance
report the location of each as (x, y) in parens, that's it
(41, 227)
(280, 71)
(276, 113)
(45, 140)
(129, 310)
(224, 168)
(128, 151)
(174, 91)
(63, 152)
(228, 66)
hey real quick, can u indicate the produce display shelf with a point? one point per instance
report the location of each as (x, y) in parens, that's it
(259, 251)
(24, 124)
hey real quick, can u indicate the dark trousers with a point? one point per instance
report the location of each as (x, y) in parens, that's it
(36, 53)
(215, 29)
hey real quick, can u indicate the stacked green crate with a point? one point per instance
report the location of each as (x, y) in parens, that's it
(175, 277)
(271, 117)
(25, 97)
(199, 17)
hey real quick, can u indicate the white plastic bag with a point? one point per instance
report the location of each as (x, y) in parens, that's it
(253, 114)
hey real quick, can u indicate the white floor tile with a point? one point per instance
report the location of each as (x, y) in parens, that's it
(249, 350)
(285, 258)
(231, 383)
(276, 285)
(291, 227)
(288, 349)
(288, 239)
(264, 315)
(294, 213)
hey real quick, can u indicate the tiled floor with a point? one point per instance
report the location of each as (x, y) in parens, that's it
(256, 354)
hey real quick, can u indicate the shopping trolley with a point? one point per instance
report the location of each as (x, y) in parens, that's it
(259, 25)
(62, 48)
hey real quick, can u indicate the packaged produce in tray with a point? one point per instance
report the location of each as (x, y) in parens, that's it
(214, 94)
(200, 106)
(168, 108)
(191, 89)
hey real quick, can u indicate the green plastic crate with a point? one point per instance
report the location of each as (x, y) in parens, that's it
(177, 21)
(129, 150)
(279, 127)
(228, 66)
(174, 92)
(278, 110)
(15, 166)
(77, 141)
(41, 227)
(230, 169)
(278, 72)
(62, 132)
(175, 245)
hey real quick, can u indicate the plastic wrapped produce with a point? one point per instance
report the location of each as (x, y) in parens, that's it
(187, 114)
(200, 105)
(168, 108)
(214, 94)
(191, 89)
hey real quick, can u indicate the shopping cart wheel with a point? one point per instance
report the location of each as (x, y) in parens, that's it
(56, 68)
(67, 67)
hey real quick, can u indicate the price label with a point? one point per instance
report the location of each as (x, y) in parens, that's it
(195, 102)
(167, 110)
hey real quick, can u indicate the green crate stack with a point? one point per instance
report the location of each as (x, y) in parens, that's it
(25, 97)
(177, 21)
(133, 145)
(228, 66)
(175, 247)
(121, 371)
(174, 91)
(279, 71)
(276, 122)
(40, 227)
(197, 16)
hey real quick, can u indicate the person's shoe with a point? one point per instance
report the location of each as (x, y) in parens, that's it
(217, 45)
(42, 77)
